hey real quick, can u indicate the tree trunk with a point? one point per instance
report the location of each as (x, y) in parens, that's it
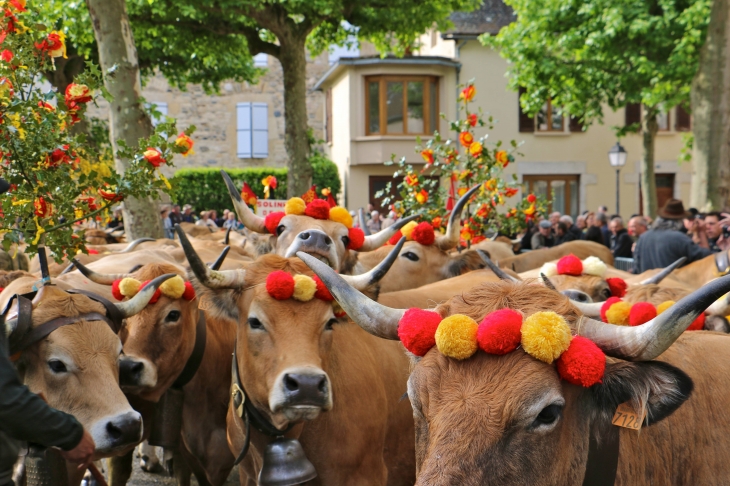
(293, 61)
(711, 115)
(649, 128)
(127, 120)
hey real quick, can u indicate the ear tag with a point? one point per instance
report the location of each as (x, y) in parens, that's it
(238, 399)
(204, 304)
(627, 417)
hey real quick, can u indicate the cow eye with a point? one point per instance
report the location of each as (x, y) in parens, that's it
(330, 323)
(254, 323)
(280, 229)
(57, 366)
(606, 293)
(346, 241)
(173, 316)
(411, 256)
(548, 415)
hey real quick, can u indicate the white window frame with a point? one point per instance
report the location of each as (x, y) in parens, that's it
(252, 130)
(261, 60)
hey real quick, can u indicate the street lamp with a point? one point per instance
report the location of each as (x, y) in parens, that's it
(617, 157)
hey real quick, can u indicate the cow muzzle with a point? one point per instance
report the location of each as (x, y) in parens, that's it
(136, 373)
(301, 394)
(116, 432)
(316, 243)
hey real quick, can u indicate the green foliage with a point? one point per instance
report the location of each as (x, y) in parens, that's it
(325, 173)
(587, 54)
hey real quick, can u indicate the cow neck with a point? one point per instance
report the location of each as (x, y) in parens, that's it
(196, 357)
(603, 451)
(249, 413)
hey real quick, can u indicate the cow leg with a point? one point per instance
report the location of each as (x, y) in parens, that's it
(181, 468)
(120, 469)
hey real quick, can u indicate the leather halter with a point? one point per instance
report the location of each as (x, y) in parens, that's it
(196, 357)
(602, 465)
(722, 263)
(249, 413)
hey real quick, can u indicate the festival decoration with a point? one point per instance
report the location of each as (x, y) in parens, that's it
(572, 265)
(621, 313)
(269, 183)
(174, 288)
(281, 285)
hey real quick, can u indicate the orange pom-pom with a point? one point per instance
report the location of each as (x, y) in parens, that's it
(423, 234)
(607, 305)
(417, 330)
(583, 363)
(318, 209)
(357, 238)
(272, 220)
(322, 293)
(189, 293)
(570, 265)
(617, 285)
(395, 238)
(499, 332)
(641, 313)
(698, 324)
(115, 290)
(280, 285)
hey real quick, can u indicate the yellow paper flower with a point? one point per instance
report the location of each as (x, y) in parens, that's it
(304, 288)
(618, 314)
(545, 336)
(295, 205)
(407, 230)
(341, 215)
(456, 336)
(173, 288)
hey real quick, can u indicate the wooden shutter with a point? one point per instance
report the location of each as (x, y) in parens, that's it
(633, 113)
(328, 115)
(683, 123)
(243, 131)
(260, 130)
(527, 122)
(575, 125)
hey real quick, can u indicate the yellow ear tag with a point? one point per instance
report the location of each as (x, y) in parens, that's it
(627, 417)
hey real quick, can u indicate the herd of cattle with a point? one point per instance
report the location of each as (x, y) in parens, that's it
(253, 367)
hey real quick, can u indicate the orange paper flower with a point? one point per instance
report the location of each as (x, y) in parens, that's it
(110, 195)
(269, 182)
(153, 156)
(411, 180)
(42, 208)
(427, 155)
(186, 143)
(77, 93)
(422, 197)
(6, 88)
(468, 93)
(476, 149)
(466, 139)
(502, 158)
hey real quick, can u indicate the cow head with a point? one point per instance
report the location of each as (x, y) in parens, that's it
(500, 419)
(76, 367)
(159, 339)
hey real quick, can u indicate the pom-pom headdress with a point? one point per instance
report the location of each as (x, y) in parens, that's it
(543, 335)
(281, 285)
(174, 288)
(422, 233)
(572, 265)
(615, 311)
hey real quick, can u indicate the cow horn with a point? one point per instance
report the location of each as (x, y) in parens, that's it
(451, 238)
(662, 275)
(361, 221)
(377, 319)
(214, 279)
(135, 244)
(100, 278)
(365, 280)
(547, 282)
(227, 239)
(590, 309)
(221, 258)
(646, 342)
(373, 242)
(138, 302)
(245, 215)
(495, 269)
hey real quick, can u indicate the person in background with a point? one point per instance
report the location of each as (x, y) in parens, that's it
(355, 219)
(562, 234)
(374, 222)
(187, 214)
(714, 224)
(116, 221)
(621, 242)
(593, 233)
(602, 209)
(665, 243)
(167, 224)
(543, 238)
(232, 222)
(637, 226)
(572, 229)
(554, 218)
(176, 215)
(580, 223)
(602, 219)
(206, 221)
(388, 221)
(526, 240)
(213, 215)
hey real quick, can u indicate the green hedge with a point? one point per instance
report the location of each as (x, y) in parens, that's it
(204, 188)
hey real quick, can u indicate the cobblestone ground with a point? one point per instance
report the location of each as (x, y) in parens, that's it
(141, 478)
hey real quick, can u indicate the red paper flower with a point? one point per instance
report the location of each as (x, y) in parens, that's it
(427, 155)
(607, 305)
(357, 238)
(280, 285)
(186, 143)
(472, 119)
(570, 265)
(583, 363)
(153, 156)
(531, 198)
(322, 292)
(468, 93)
(617, 285)
(6, 55)
(318, 209)
(110, 195)
(77, 93)
(42, 208)
(499, 332)
(272, 220)
(423, 234)
(417, 330)
(641, 313)
(466, 138)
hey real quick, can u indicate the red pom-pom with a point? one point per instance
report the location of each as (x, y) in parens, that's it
(617, 285)
(395, 238)
(272, 220)
(340, 314)
(583, 363)
(607, 305)
(417, 330)
(280, 285)
(698, 324)
(322, 293)
(115, 290)
(155, 297)
(570, 265)
(318, 209)
(641, 313)
(357, 238)
(189, 293)
(92, 251)
(499, 332)
(423, 233)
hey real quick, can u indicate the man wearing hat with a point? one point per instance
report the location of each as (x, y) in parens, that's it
(543, 237)
(665, 243)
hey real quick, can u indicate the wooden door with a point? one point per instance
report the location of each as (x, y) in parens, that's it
(664, 191)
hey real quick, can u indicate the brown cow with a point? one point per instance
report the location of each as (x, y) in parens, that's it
(535, 259)
(510, 420)
(331, 360)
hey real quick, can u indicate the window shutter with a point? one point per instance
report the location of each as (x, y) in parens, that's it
(683, 123)
(243, 130)
(328, 115)
(633, 113)
(575, 125)
(527, 122)
(260, 130)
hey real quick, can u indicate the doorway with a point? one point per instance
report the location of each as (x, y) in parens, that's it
(664, 191)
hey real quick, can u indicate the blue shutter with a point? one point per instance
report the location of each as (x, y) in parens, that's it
(260, 127)
(261, 60)
(243, 130)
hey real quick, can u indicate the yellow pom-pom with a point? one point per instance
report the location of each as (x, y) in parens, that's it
(618, 314)
(456, 336)
(173, 288)
(304, 288)
(664, 306)
(407, 230)
(545, 336)
(341, 215)
(295, 205)
(129, 287)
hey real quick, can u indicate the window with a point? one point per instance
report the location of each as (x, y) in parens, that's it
(162, 108)
(549, 118)
(379, 183)
(683, 121)
(561, 191)
(663, 121)
(252, 130)
(261, 60)
(402, 105)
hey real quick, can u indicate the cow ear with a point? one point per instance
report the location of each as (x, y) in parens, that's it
(659, 387)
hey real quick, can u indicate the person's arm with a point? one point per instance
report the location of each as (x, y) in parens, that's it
(695, 252)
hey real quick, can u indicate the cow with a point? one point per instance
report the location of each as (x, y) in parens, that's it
(535, 259)
(75, 366)
(301, 366)
(497, 249)
(510, 420)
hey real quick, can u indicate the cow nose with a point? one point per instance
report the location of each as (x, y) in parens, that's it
(315, 238)
(124, 429)
(130, 372)
(306, 388)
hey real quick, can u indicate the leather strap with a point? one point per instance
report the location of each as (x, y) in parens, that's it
(40, 332)
(25, 322)
(112, 311)
(602, 464)
(191, 367)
